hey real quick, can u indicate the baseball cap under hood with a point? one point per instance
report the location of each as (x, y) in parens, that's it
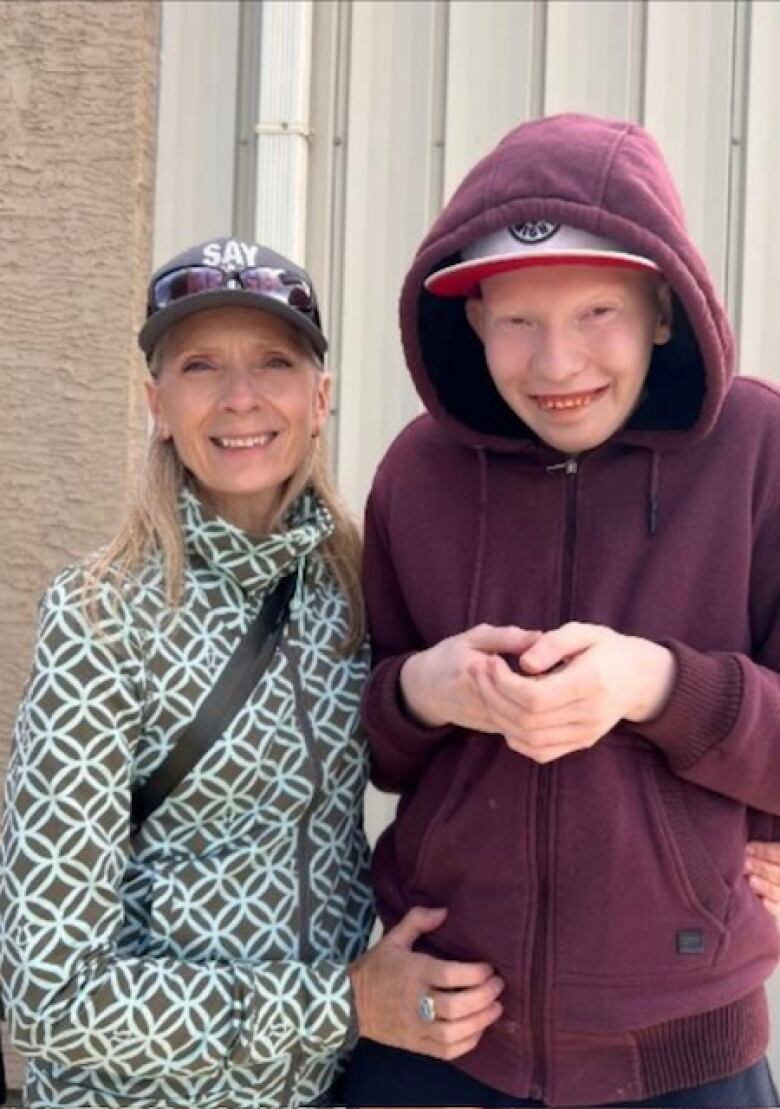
(609, 178)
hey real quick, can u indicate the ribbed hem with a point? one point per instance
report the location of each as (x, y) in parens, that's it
(703, 706)
(704, 1048)
(386, 716)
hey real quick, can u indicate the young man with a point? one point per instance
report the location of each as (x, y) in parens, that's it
(574, 602)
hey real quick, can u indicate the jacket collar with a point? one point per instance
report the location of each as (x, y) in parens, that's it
(255, 564)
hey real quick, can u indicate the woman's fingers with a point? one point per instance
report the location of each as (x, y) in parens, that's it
(443, 974)
(449, 1033)
(456, 1005)
(759, 851)
(768, 892)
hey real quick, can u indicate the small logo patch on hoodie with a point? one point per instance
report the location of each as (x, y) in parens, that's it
(690, 941)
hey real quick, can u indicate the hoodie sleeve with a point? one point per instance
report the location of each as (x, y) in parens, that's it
(400, 746)
(73, 993)
(721, 725)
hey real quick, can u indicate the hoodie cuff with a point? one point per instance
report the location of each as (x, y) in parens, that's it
(703, 706)
(386, 715)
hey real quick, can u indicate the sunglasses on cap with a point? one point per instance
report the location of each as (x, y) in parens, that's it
(289, 288)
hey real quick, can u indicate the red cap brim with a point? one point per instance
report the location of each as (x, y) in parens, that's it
(462, 279)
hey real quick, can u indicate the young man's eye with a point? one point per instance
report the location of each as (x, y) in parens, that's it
(600, 312)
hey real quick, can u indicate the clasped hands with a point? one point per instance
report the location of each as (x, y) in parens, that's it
(547, 693)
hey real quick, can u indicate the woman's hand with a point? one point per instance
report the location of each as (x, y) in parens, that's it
(762, 865)
(390, 980)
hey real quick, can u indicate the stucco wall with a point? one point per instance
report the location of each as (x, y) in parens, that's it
(78, 96)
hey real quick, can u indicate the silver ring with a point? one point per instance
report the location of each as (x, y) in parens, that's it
(426, 1007)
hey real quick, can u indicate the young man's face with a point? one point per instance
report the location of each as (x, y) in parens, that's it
(569, 346)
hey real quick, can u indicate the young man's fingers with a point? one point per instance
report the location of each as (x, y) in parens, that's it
(553, 743)
(505, 640)
(558, 646)
(531, 697)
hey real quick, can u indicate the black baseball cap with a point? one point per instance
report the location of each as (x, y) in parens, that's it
(230, 273)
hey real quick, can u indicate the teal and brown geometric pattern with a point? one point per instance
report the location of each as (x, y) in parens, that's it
(204, 964)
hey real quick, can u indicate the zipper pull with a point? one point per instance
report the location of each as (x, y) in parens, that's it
(569, 467)
(296, 604)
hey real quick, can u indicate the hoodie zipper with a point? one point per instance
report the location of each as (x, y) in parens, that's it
(539, 968)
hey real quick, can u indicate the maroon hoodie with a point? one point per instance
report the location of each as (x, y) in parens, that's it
(607, 887)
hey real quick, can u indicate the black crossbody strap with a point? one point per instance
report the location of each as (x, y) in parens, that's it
(231, 691)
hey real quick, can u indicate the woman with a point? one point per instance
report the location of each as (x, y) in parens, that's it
(210, 954)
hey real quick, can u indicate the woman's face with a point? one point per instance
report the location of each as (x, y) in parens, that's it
(242, 402)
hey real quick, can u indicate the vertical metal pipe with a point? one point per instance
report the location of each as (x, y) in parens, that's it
(740, 84)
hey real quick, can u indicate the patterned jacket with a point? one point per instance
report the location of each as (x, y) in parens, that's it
(203, 961)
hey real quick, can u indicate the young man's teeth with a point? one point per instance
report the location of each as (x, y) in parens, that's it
(575, 401)
(254, 441)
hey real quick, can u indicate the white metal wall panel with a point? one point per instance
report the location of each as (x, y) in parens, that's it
(760, 318)
(393, 171)
(593, 61)
(196, 146)
(283, 125)
(494, 77)
(325, 199)
(688, 94)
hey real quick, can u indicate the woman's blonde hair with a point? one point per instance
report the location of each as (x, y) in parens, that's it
(152, 524)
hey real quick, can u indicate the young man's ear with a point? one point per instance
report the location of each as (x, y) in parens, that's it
(475, 314)
(663, 327)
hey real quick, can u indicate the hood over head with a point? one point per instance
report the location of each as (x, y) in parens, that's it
(607, 178)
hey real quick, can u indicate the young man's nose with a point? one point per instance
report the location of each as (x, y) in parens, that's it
(558, 356)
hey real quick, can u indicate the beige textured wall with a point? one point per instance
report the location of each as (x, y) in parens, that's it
(78, 102)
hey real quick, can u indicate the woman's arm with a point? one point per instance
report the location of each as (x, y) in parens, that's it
(71, 994)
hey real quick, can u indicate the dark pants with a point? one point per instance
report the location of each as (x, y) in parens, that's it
(380, 1075)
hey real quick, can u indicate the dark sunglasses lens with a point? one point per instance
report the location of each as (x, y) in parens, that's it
(185, 282)
(279, 284)
(300, 298)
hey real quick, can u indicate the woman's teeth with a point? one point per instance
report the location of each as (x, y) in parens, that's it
(251, 441)
(572, 400)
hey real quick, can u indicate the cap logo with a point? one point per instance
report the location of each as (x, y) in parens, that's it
(230, 255)
(533, 233)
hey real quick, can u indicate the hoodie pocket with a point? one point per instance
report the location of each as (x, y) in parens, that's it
(638, 894)
(461, 842)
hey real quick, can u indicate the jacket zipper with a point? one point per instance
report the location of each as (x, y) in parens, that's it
(539, 967)
(305, 949)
